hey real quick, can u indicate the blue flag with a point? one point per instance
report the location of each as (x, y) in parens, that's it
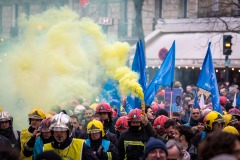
(207, 80)
(139, 66)
(164, 76)
(111, 95)
(195, 105)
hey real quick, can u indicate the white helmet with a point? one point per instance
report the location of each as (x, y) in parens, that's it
(5, 116)
(61, 122)
(79, 109)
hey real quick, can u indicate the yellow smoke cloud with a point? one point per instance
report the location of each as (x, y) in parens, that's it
(60, 57)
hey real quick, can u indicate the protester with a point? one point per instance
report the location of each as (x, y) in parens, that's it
(77, 131)
(132, 142)
(6, 129)
(150, 114)
(35, 117)
(169, 126)
(195, 115)
(87, 117)
(105, 112)
(63, 143)
(175, 151)
(184, 134)
(158, 126)
(214, 122)
(218, 143)
(45, 137)
(155, 150)
(121, 125)
(97, 141)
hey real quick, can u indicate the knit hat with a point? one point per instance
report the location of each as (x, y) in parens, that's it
(49, 155)
(154, 143)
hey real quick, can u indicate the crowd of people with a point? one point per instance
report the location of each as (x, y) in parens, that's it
(81, 131)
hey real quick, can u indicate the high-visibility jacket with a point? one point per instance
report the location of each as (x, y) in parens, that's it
(25, 135)
(73, 151)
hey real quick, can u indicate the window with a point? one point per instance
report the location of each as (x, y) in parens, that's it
(183, 9)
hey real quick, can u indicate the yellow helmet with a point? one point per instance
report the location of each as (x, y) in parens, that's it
(95, 126)
(231, 129)
(37, 114)
(224, 113)
(230, 120)
(213, 117)
(93, 106)
(48, 115)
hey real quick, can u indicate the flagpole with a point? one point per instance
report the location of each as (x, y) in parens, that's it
(170, 116)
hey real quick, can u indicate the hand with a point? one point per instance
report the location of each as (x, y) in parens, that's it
(144, 119)
(35, 132)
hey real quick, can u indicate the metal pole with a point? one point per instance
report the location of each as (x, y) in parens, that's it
(227, 69)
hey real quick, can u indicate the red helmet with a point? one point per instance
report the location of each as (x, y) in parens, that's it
(155, 107)
(159, 121)
(103, 107)
(234, 112)
(44, 125)
(122, 123)
(135, 115)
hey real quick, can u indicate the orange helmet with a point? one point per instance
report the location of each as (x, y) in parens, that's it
(159, 121)
(122, 123)
(103, 107)
(135, 115)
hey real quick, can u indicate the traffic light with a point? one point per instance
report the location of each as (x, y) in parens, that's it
(227, 44)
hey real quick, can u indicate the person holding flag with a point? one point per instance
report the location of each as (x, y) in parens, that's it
(132, 142)
(207, 81)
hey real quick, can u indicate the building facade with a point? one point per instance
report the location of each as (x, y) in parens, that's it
(163, 21)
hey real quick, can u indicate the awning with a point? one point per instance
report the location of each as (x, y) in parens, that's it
(191, 48)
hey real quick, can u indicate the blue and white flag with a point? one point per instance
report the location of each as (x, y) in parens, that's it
(164, 76)
(207, 80)
(139, 66)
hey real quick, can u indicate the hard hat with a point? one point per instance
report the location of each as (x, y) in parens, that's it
(122, 123)
(230, 120)
(79, 109)
(61, 122)
(95, 126)
(5, 116)
(36, 114)
(135, 115)
(103, 107)
(48, 115)
(93, 106)
(44, 125)
(159, 122)
(234, 112)
(231, 129)
(213, 117)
